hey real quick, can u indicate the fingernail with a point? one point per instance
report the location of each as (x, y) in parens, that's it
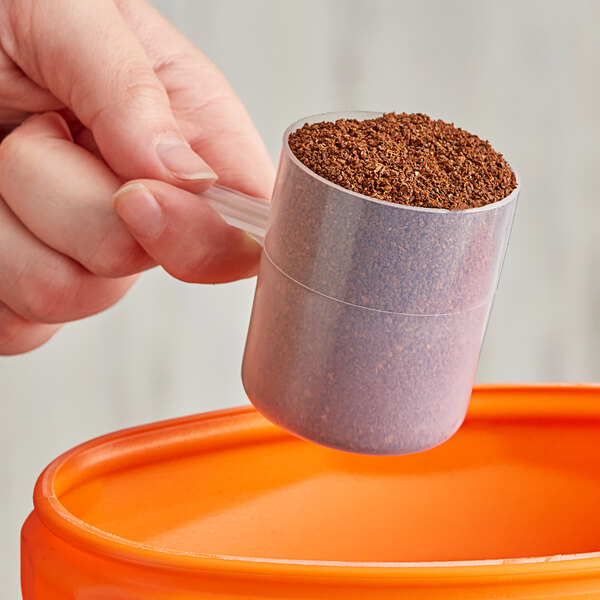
(182, 161)
(137, 206)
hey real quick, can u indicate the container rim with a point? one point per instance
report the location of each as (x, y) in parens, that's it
(490, 400)
(368, 114)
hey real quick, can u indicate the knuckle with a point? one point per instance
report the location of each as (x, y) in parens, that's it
(107, 264)
(17, 335)
(141, 83)
(118, 255)
(46, 295)
(139, 88)
(11, 326)
(17, 26)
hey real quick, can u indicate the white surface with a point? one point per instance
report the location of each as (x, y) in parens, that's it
(522, 74)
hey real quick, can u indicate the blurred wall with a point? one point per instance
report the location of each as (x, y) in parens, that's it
(521, 73)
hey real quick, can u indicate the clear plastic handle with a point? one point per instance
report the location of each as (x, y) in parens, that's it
(240, 210)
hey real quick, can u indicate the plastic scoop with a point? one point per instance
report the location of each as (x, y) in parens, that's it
(368, 316)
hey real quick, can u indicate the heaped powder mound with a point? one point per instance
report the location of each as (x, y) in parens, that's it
(405, 158)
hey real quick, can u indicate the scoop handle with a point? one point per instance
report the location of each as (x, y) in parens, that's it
(240, 210)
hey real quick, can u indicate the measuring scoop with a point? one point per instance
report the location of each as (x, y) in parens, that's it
(369, 316)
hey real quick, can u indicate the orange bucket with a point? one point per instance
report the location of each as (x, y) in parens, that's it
(225, 505)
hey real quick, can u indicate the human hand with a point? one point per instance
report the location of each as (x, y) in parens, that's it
(116, 94)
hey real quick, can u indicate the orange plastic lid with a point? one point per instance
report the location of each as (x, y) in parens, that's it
(512, 500)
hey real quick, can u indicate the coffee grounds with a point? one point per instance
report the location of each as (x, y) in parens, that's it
(407, 159)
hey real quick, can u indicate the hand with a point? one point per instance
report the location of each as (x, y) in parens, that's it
(115, 94)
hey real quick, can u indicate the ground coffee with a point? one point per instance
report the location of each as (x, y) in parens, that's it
(406, 158)
(368, 316)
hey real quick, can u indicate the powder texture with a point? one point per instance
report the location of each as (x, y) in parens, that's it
(407, 159)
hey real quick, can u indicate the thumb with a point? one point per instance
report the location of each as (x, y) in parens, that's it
(86, 55)
(185, 235)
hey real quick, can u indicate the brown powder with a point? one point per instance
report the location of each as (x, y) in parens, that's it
(407, 159)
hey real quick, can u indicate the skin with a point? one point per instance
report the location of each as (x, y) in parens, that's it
(112, 122)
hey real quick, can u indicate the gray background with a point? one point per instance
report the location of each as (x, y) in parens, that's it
(523, 74)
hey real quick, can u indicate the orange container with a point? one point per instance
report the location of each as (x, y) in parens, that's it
(225, 505)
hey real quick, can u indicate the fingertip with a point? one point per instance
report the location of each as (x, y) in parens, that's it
(50, 124)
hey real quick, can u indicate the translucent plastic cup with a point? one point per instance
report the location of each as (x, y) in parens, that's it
(369, 316)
